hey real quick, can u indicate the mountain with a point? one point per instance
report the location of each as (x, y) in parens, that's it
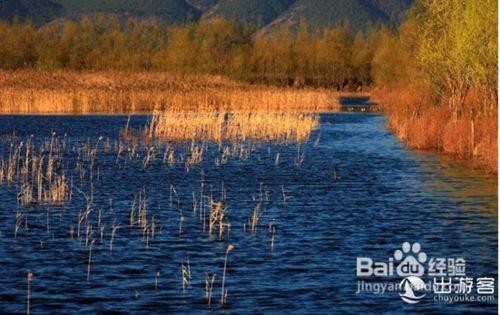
(270, 14)
(167, 11)
(38, 11)
(360, 14)
(254, 11)
(202, 5)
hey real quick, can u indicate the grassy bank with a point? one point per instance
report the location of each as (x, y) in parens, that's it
(66, 92)
(428, 126)
(437, 79)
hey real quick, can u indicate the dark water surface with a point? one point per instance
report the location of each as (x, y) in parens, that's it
(358, 192)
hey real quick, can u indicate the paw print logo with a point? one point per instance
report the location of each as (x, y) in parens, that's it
(411, 260)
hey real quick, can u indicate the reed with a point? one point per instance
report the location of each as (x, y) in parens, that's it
(20, 219)
(181, 230)
(47, 219)
(218, 218)
(26, 195)
(40, 175)
(423, 124)
(284, 194)
(36, 92)
(255, 218)
(113, 233)
(139, 212)
(195, 156)
(58, 190)
(89, 260)
(223, 297)
(157, 275)
(235, 127)
(29, 279)
(186, 276)
(209, 286)
(272, 232)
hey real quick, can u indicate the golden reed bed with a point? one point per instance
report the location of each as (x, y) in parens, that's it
(218, 127)
(63, 92)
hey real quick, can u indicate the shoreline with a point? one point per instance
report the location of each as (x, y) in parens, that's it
(71, 93)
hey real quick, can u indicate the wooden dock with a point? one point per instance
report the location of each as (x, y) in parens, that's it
(358, 104)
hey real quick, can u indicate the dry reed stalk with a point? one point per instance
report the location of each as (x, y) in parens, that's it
(223, 297)
(181, 220)
(153, 227)
(48, 221)
(255, 218)
(89, 260)
(26, 195)
(150, 156)
(419, 121)
(139, 209)
(2, 170)
(58, 190)
(80, 220)
(196, 155)
(195, 203)
(218, 218)
(283, 194)
(29, 279)
(157, 275)
(272, 232)
(35, 92)
(39, 181)
(209, 286)
(19, 221)
(235, 127)
(186, 276)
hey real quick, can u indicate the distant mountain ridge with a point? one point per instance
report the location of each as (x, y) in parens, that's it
(269, 14)
(42, 11)
(202, 5)
(38, 11)
(260, 12)
(359, 14)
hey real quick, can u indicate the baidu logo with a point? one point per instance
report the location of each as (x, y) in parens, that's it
(413, 262)
(407, 261)
(446, 277)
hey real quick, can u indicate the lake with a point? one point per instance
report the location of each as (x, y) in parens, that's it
(353, 190)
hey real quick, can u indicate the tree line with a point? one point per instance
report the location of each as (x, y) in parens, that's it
(437, 75)
(449, 46)
(330, 57)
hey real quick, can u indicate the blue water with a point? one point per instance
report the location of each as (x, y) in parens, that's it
(358, 192)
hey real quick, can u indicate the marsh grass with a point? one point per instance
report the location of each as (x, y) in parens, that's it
(157, 275)
(223, 297)
(186, 275)
(472, 135)
(29, 279)
(42, 173)
(89, 260)
(38, 170)
(233, 127)
(255, 218)
(209, 286)
(63, 92)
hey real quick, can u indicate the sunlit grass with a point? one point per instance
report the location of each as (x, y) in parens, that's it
(275, 126)
(34, 92)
